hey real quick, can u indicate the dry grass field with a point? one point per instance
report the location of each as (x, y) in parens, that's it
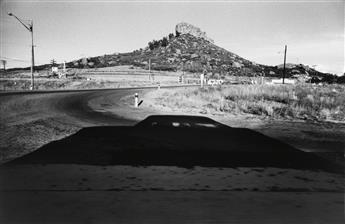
(109, 77)
(303, 102)
(86, 82)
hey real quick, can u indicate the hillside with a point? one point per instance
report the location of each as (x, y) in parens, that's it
(183, 52)
(191, 50)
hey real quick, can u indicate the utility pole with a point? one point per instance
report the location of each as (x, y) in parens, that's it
(183, 68)
(53, 62)
(284, 65)
(151, 75)
(32, 55)
(150, 69)
(30, 27)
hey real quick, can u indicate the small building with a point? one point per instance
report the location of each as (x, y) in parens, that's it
(55, 69)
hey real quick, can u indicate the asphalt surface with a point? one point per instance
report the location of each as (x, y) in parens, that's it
(75, 103)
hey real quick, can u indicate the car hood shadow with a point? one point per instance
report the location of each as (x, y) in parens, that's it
(184, 141)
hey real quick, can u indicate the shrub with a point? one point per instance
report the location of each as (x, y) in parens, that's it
(156, 43)
(341, 79)
(164, 42)
(151, 45)
(163, 67)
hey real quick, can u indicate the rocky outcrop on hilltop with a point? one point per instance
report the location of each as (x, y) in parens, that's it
(186, 28)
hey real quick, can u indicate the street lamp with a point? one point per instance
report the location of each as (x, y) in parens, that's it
(30, 27)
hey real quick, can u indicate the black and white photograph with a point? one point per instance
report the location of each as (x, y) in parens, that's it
(172, 111)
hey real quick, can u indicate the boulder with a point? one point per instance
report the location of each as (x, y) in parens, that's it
(236, 64)
(186, 28)
(84, 61)
(194, 56)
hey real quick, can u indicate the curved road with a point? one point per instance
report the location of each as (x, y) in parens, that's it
(29, 120)
(70, 103)
(74, 103)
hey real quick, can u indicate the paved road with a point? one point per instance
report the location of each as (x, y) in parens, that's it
(70, 104)
(75, 103)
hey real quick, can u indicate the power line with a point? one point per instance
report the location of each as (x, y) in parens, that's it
(14, 59)
(21, 60)
(13, 43)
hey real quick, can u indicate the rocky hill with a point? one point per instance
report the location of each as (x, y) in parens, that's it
(191, 50)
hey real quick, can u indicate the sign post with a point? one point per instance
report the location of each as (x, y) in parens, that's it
(64, 66)
(202, 79)
(136, 100)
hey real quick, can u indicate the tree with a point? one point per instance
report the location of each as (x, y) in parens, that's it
(156, 43)
(151, 45)
(177, 34)
(171, 36)
(164, 42)
(4, 64)
(159, 43)
(341, 79)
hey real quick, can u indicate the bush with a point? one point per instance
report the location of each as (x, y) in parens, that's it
(164, 67)
(156, 43)
(341, 79)
(164, 42)
(151, 45)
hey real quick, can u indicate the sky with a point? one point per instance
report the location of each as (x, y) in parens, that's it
(313, 30)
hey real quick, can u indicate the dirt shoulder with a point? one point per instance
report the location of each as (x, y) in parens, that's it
(80, 193)
(175, 206)
(30, 121)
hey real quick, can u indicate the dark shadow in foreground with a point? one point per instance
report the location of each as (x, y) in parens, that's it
(184, 141)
